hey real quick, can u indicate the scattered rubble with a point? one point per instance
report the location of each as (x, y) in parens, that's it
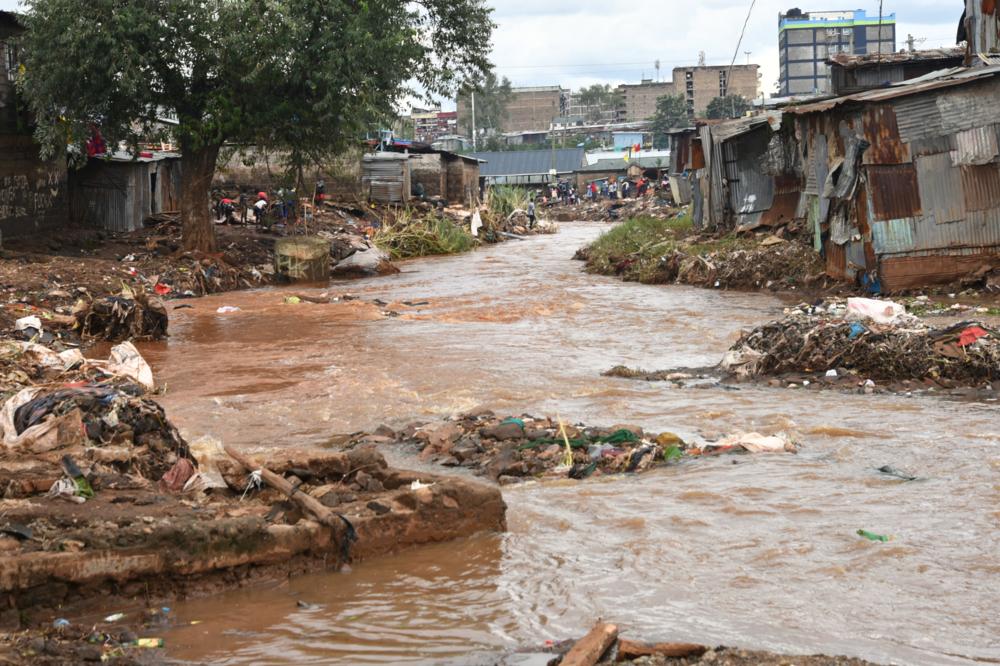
(515, 449)
(102, 498)
(608, 210)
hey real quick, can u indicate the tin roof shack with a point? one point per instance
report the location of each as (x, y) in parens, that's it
(120, 191)
(463, 179)
(856, 73)
(751, 175)
(32, 190)
(529, 167)
(683, 165)
(385, 177)
(904, 182)
(443, 174)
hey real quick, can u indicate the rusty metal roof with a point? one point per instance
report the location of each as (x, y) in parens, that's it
(730, 129)
(934, 81)
(848, 61)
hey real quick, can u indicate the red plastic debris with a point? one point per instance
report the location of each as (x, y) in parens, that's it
(970, 335)
(161, 289)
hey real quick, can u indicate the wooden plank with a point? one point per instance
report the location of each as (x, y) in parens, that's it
(632, 650)
(589, 649)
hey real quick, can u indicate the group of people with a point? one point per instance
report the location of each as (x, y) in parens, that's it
(283, 209)
(624, 189)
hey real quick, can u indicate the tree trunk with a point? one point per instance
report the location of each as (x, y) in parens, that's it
(197, 172)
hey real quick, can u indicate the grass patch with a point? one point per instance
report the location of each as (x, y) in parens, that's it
(634, 248)
(505, 199)
(408, 237)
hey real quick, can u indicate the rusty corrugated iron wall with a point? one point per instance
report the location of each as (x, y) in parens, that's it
(928, 204)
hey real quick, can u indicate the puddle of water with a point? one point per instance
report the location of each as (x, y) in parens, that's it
(759, 552)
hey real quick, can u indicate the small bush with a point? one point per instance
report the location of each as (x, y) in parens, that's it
(409, 237)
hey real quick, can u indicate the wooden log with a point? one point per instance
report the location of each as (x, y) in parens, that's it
(313, 299)
(310, 505)
(589, 649)
(632, 650)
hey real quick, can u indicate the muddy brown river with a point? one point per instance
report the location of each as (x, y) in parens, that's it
(757, 551)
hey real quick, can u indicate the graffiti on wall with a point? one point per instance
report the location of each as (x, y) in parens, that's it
(31, 195)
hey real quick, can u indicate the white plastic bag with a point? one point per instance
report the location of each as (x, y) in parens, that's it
(881, 312)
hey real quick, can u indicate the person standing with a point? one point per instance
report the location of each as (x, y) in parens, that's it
(531, 214)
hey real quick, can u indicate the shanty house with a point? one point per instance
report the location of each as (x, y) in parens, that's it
(904, 182)
(32, 190)
(614, 169)
(385, 177)
(118, 192)
(851, 74)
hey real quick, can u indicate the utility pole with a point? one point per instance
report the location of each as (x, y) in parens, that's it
(473, 121)
(657, 65)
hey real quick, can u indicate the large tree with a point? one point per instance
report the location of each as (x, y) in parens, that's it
(301, 76)
(600, 101)
(671, 113)
(493, 96)
(730, 106)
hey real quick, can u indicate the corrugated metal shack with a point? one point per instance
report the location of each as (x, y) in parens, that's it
(743, 173)
(529, 167)
(903, 183)
(385, 177)
(851, 74)
(683, 165)
(442, 173)
(119, 192)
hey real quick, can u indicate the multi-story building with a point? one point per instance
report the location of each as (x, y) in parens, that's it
(698, 85)
(529, 109)
(637, 101)
(806, 40)
(429, 125)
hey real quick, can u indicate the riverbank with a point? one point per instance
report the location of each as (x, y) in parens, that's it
(654, 250)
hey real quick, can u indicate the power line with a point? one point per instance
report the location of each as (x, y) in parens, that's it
(739, 43)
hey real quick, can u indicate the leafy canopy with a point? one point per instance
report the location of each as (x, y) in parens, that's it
(493, 96)
(730, 106)
(671, 113)
(303, 75)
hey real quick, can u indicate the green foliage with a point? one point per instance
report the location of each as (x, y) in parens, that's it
(300, 75)
(493, 96)
(408, 237)
(601, 99)
(671, 113)
(634, 248)
(730, 106)
(505, 199)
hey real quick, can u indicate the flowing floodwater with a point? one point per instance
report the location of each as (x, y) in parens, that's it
(755, 551)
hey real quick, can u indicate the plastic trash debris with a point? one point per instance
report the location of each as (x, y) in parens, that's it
(672, 453)
(881, 312)
(161, 289)
(207, 452)
(292, 300)
(855, 331)
(30, 325)
(73, 471)
(177, 477)
(149, 643)
(65, 489)
(892, 471)
(832, 373)
(871, 536)
(227, 309)
(753, 442)
(115, 617)
(126, 361)
(60, 623)
(970, 335)
(72, 359)
(417, 485)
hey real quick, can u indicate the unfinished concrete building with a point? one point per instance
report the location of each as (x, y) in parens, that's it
(700, 85)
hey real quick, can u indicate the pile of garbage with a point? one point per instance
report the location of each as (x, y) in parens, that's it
(509, 450)
(875, 339)
(62, 410)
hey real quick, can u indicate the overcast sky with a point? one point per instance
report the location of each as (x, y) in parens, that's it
(575, 43)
